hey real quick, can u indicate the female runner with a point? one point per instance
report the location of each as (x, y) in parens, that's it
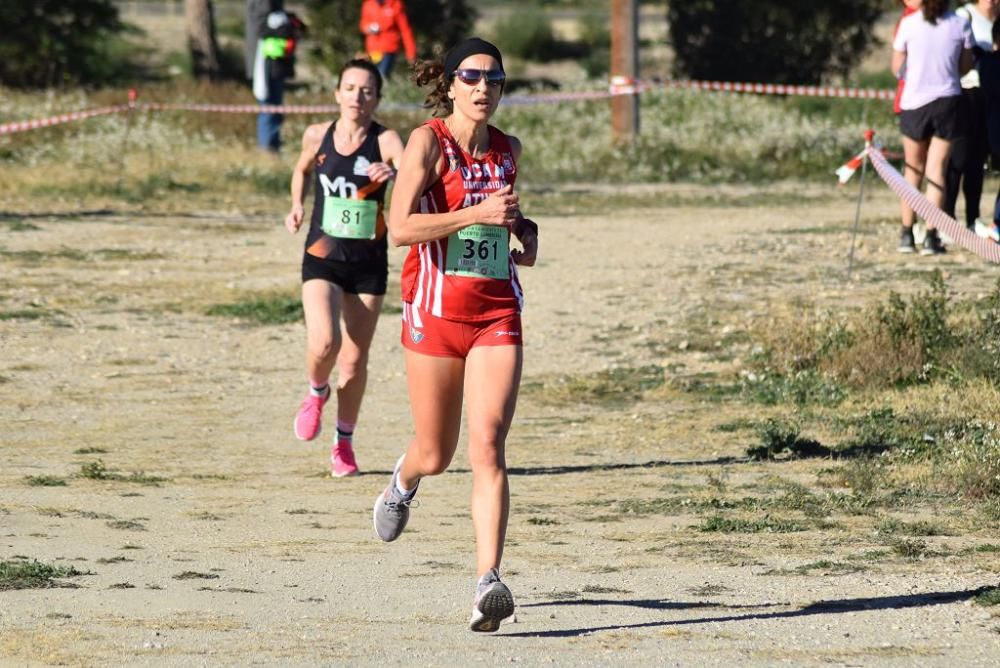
(344, 268)
(454, 206)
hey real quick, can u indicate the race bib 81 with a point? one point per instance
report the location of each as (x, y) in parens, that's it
(349, 218)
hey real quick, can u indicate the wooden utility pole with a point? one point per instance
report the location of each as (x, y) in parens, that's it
(199, 19)
(624, 67)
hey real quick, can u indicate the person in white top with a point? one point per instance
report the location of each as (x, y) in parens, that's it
(968, 153)
(934, 46)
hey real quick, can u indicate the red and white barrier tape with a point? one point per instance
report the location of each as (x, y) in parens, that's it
(21, 126)
(782, 89)
(846, 171)
(619, 86)
(625, 86)
(961, 235)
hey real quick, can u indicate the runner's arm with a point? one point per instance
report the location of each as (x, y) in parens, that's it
(965, 61)
(311, 140)
(420, 165)
(525, 229)
(391, 147)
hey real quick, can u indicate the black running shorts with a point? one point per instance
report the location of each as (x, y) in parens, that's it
(365, 278)
(940, 118)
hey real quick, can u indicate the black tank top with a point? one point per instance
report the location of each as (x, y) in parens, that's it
(345, 176)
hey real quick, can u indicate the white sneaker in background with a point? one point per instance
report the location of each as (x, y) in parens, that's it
(987, 231)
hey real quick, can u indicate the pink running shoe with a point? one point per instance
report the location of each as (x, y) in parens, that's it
(309, 420)
(342, 461)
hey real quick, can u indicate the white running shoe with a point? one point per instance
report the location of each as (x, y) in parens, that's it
(392, 509)
(493, 604)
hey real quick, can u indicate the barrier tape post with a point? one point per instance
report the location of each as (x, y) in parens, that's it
(869, 135)
(133, 95)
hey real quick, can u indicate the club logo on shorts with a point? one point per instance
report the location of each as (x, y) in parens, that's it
(416, 336)
(511, 334)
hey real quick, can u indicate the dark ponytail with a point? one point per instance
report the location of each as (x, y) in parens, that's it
(934, 9)
(431, 73)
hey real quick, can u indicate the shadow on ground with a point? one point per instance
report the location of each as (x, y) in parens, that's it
(820, 608)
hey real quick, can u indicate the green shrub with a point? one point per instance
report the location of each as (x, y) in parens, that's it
(595, 35)
(526, 33)
(802, 388)
(33, 574)
(50, 43)
(735, 40)
(899, 342)
(777, 437)
(984, 351)
(970, 463)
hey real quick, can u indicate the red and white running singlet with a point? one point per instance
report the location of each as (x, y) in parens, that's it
(468, 276)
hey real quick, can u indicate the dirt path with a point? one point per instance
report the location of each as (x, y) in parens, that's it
(249, 554)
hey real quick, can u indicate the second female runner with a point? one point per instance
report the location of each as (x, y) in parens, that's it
(344, 268)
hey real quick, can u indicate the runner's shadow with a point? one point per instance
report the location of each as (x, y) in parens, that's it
(651, 604)
(820, 608)
(591, 468)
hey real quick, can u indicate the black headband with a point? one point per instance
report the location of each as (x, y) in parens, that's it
(469, 47)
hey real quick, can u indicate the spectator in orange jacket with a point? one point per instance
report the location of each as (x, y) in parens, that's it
(386, 28)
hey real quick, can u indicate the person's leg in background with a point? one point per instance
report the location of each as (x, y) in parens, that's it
(385, 65)
(955, 174)
(268, 124)
(977, 148)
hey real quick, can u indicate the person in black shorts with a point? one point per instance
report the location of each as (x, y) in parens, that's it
(934, 46)
(344, 268)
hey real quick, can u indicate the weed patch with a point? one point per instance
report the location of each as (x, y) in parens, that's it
(542, 521)
(113, 560)
(97, 470)
(971, 462)
(811, 358)
(802, 388)
(267, 309)
(195, 575)
(19, 226)
(90, 451)
(891, 526)
(33, 575)
(611, 387)
(990, 597)
(779, 437)
(31, 314)
(720, 524)
(824, 566)
(910, 549)
(45, 481)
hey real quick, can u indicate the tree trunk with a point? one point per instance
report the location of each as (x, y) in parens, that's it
(199, 19)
